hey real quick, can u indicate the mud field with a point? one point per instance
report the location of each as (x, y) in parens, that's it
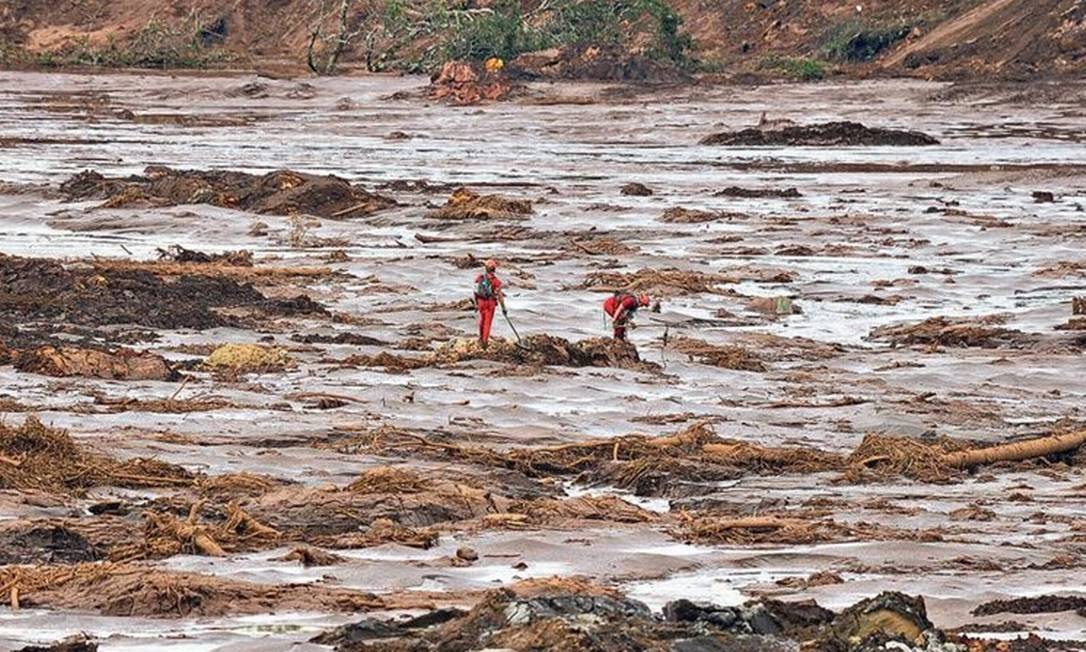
(242, 406)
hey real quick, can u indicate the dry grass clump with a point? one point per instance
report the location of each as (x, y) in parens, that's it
(881, 456)
(117, 589)
(36, 457)
(733, 357)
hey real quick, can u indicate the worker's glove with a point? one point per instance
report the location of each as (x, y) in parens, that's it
(631, 325)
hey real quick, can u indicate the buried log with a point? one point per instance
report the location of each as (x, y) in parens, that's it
(1018, 451)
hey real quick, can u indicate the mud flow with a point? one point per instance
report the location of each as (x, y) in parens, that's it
(245, 406)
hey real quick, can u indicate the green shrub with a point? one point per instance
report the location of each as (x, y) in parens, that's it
(505, 31)
(802, 68)
(855, 41)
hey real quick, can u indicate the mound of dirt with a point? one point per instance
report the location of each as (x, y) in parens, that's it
(466, 204)
(284, 192)
(828, 134)
(40, 289)
(466, 82)
(979, 332)
(33, 456)
(121, 364)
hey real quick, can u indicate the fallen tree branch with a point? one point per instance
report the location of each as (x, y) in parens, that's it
(1017, 451)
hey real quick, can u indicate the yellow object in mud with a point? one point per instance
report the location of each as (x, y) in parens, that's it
(493, 64)
(248, 358)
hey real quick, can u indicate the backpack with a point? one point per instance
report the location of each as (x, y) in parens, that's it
(484, 289)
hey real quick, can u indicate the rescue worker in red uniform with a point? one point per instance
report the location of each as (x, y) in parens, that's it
(621, 308)
(488, 296)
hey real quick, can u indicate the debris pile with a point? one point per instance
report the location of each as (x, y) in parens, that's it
(33, 456)
(573, 614)
(43, 290)
(467, 82)
(283, 192)
(828, 134)
(758, 193)
(533, 350)
(466, 204)
(980, 332)
(738, 358)
(121, 364)
(681, 215)
(179, 254)
(116, 589)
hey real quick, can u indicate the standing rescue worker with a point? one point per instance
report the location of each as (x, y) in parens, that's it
(488, 296)
(621, 308)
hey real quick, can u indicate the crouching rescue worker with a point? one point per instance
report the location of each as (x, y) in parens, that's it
(622, 308)
(488, 296)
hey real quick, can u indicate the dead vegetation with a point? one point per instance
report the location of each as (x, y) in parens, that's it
(284, 192)
(982, 332)
(672, 282)
(116, 589)
(734, 357)
(33, 456)
(534, 350)
(696, 455)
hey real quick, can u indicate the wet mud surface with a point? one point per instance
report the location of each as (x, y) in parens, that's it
(243, 408)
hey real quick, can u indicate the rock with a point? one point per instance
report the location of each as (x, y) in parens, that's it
(467, 554)
(889, 615)
(1043, 197)
(636, 190)
(77, 643)
(701, 612)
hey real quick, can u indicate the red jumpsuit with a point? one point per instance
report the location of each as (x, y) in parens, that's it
(629, 305)
(487, 306)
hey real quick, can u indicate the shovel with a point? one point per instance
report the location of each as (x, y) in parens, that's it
(520, 343)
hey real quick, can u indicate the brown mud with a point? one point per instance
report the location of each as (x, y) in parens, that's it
(252, 428)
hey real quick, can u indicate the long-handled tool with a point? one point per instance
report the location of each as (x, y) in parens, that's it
(520, 342)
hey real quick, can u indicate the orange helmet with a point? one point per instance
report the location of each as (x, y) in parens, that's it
(644, 300)
(490, 265)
